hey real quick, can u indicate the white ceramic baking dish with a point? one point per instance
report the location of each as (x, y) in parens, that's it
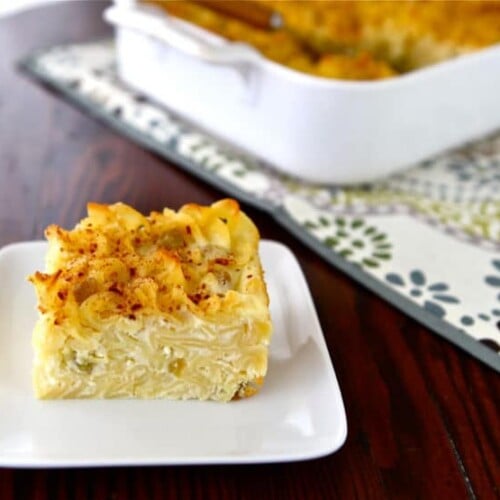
(318, 129)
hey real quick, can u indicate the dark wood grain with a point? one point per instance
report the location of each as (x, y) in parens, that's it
(423, 417)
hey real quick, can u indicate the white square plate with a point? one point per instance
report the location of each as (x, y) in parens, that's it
(298, 414)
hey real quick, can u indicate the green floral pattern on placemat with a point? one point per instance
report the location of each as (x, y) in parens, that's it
(427, 239)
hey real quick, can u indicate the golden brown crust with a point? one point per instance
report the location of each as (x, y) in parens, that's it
(200, 259)
(369, 39)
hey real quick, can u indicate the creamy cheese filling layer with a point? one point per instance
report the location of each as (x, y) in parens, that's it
(153, 358)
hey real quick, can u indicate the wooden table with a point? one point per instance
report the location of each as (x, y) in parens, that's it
(423, 416)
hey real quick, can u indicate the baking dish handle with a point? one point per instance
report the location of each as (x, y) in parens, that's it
(179, 37)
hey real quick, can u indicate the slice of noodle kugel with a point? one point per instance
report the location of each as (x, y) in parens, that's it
(170, 305)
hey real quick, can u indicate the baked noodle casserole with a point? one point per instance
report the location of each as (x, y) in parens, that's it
(358, 40)
(170, 305)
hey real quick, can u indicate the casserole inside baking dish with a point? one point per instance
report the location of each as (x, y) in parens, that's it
(358, 40)
(348, 128)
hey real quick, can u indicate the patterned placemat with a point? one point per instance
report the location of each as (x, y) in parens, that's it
(427, 240)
